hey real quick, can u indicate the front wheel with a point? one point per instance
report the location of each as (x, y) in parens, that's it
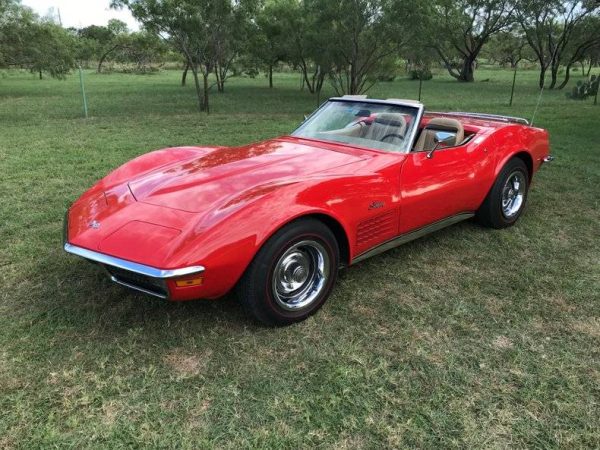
(292, 274)
(506, 200)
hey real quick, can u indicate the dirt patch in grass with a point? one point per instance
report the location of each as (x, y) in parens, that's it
(590, 326)
(502, 343)
(185, 364)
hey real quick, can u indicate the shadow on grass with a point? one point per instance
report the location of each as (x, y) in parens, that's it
(80, 296)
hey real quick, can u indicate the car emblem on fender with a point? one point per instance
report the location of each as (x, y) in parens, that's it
(94, 224)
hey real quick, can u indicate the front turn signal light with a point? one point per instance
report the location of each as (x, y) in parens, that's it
(189, 282)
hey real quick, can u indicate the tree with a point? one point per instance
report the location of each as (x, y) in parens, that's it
(268, 42)
(585, 38)
(306, 24)
(549, 26)
(105, 40)
(462, 28)
(194, 27)
(230, 38)
(34, 44)
(141, 49)
(508, 48)
(360, 37)
(50, 50)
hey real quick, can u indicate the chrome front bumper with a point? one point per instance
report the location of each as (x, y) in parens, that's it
(140, 277)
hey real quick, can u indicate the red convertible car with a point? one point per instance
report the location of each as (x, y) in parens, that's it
(277, 219)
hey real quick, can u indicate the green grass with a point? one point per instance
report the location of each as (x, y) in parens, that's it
(467, 338)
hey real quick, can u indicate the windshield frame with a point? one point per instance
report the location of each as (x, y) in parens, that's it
(417, 106)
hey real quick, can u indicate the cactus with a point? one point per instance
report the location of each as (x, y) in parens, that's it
(585, 89)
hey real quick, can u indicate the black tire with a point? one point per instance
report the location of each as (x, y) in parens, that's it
(258, 288)
(492, 213)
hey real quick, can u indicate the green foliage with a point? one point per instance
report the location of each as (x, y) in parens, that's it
(34, 44)
(460, 30)
(421, 72)
(270, 41)
(508, 48)
(203, 31)
(558, 32)
(363, 37)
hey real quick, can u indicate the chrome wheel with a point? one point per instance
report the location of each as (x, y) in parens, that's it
(513, 194)
(300, 275)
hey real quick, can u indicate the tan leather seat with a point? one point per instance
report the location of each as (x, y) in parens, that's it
(390, 125)
(426, 140)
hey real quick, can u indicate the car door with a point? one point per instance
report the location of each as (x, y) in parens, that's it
(453, 180)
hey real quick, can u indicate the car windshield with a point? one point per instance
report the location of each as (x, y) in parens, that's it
(380, 126)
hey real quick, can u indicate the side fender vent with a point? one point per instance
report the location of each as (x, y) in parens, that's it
(372, 231)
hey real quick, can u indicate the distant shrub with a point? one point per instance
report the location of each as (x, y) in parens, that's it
(251, 72)
(420, 73)
(386, 77)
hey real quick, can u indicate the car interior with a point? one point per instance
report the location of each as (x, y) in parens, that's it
(384, 127)
(391, 128)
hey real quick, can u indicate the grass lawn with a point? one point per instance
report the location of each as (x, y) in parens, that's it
(467, 338)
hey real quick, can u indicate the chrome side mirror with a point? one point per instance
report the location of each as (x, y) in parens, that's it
(444, 138)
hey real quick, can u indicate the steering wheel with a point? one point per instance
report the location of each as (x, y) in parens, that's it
(392, 135)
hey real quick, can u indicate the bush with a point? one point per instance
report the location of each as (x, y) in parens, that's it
(386, 77)
(420, 73)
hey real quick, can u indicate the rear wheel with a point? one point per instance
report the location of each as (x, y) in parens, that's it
(506, 200)
(292, 274)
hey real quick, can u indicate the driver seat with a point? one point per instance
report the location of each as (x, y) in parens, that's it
(386, 124)
(426, 141)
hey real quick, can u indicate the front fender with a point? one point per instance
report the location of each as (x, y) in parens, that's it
(226, 241)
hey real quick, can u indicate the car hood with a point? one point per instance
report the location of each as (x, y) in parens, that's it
(196, 184)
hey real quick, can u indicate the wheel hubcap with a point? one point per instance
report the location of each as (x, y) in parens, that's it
(300, 275)
(513, 195)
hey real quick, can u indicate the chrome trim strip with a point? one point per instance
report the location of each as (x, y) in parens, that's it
(141, 269)
(497, 117)
(412, 235)
(137, 288)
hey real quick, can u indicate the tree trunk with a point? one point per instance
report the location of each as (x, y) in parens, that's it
(542, 79)
(103, 57)
(40, 71)
(270, 76)
(512, 89)
(205, 106)
(201, 100)
(306, 82)
(219, 81)
(567, 76)
(353, 80)
(184, 75)
(553, 75)
(467, 70)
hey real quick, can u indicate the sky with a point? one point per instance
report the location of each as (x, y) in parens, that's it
(81, 13)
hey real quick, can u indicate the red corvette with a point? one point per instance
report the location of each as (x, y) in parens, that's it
(277, 219)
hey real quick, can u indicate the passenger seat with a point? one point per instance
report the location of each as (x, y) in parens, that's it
(426, 141)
